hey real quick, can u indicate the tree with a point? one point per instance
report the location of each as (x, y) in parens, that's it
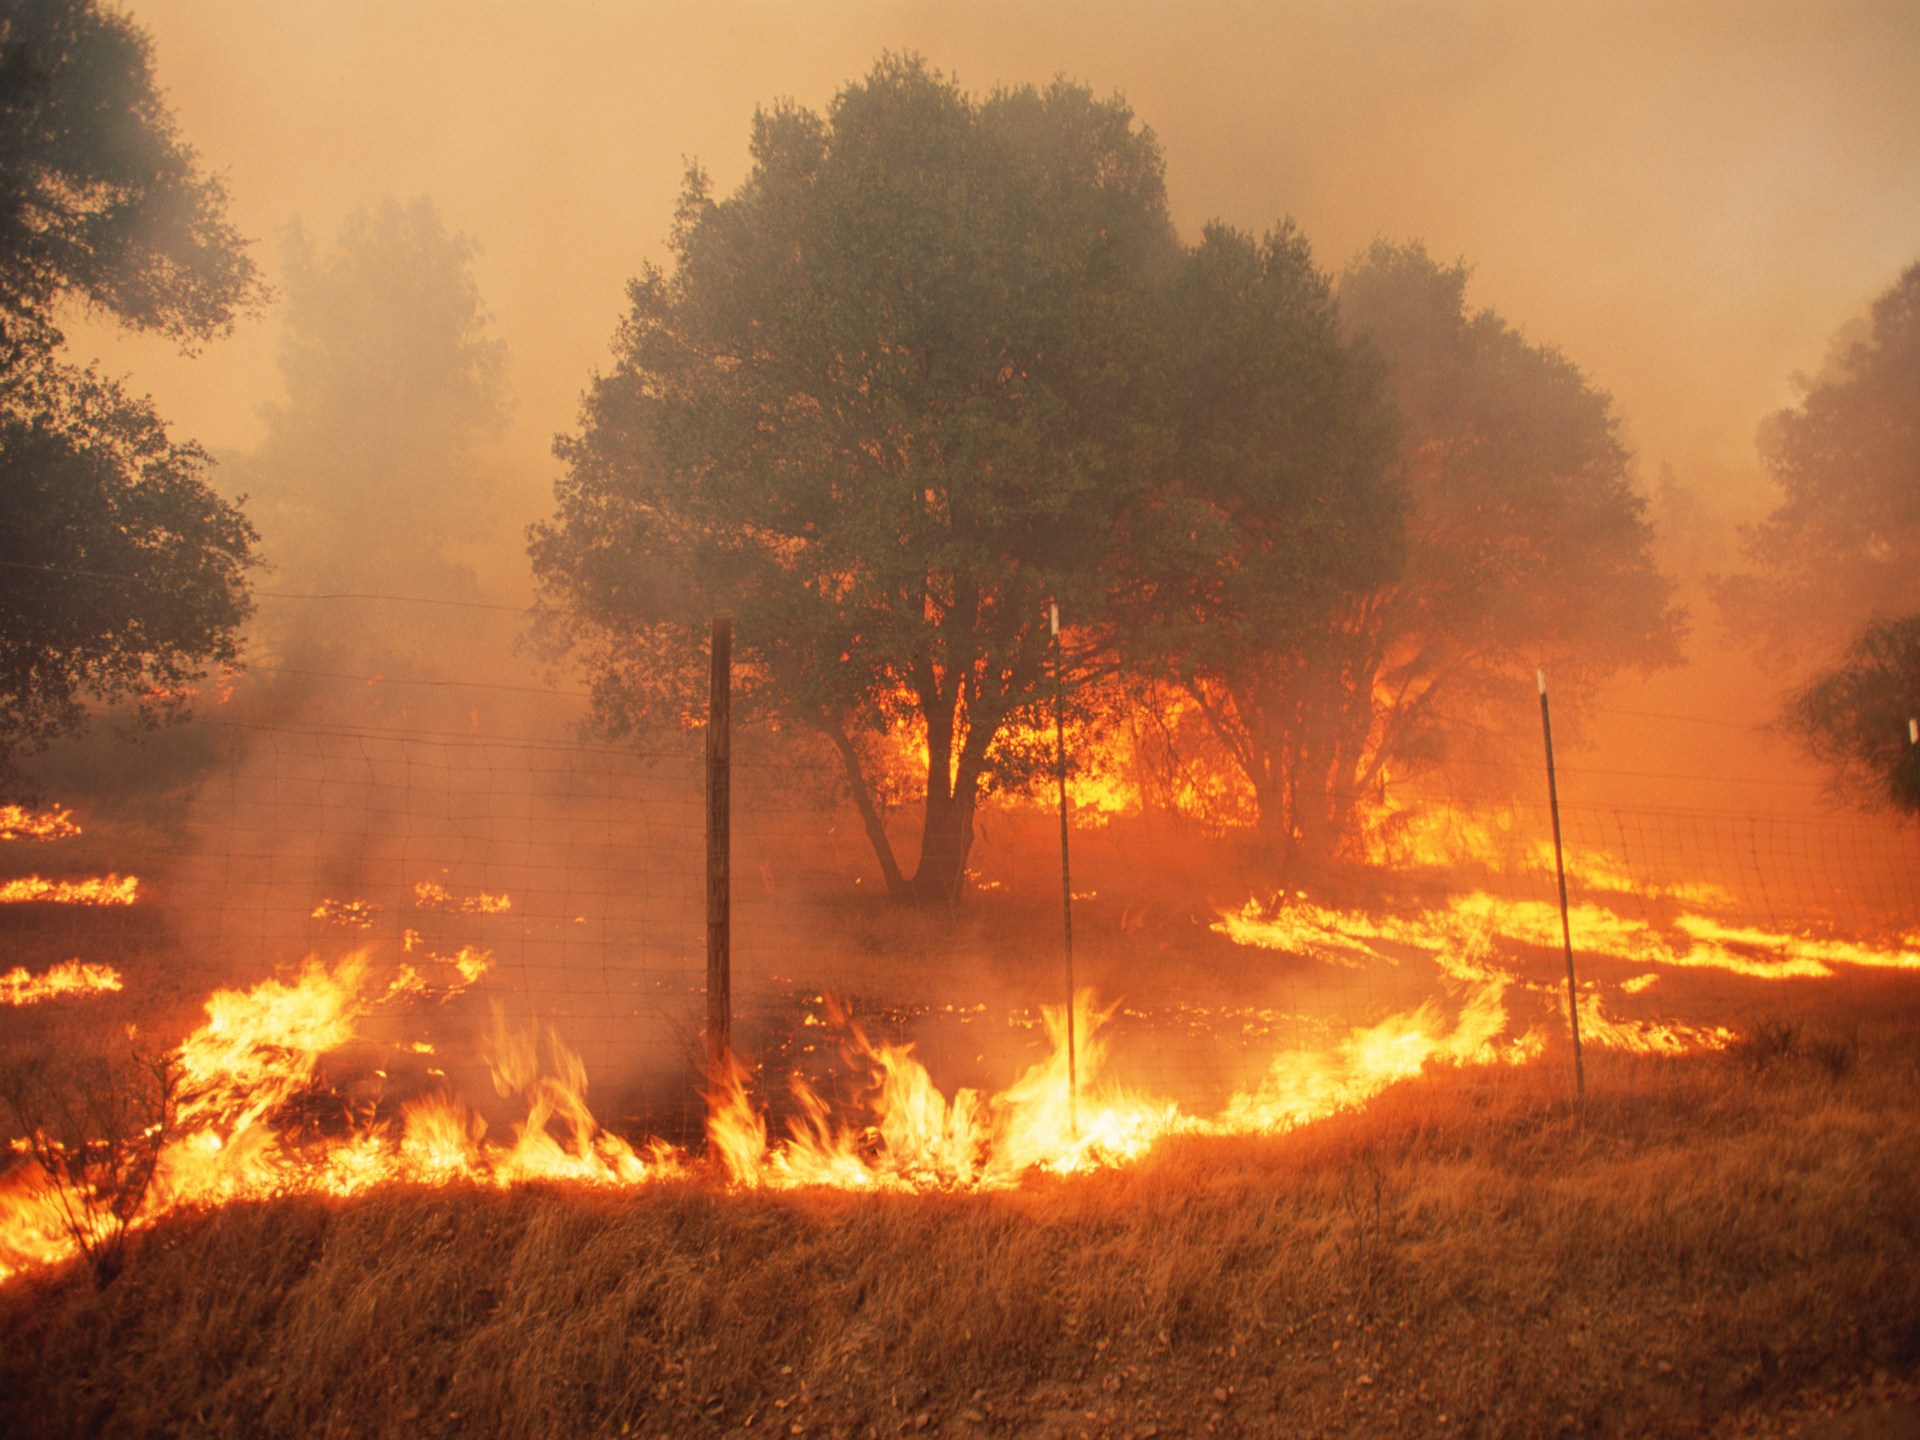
(122, 575)
(1854, 717)
(1843, 544)
(1279, 516)
(368, 476)
(1526, 546)
(121, 572)
(887, 405)
(100, 199)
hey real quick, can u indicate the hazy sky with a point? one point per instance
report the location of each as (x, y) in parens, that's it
(1686, 198)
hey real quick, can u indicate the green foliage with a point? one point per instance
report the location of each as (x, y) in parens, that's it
(1843, 544)
(1279, 516)
(1853, 718)
(1525, 546)
(885, 407)
(99, 197)
(121, 572)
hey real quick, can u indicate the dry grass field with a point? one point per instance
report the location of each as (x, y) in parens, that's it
(1725, 1245)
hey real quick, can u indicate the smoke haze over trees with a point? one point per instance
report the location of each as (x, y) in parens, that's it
(883, 411)
(1840, 554)
(940, 362)
(1843, 544)
(369, 475)
(122, 574)
(1527, 545)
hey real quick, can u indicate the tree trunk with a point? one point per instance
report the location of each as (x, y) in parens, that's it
(870, 816)
(946, 842)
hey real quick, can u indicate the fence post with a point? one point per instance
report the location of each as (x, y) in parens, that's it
(1066, 874)
(719, 852)
(1560, 868)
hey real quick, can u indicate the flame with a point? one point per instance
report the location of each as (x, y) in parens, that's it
(1643, 1037)
(345, 914)
(914, 1137)
(1469, 922)
(69, 977)
(1301, 1086)
(245, 1073)
(432, 895)
(97, 890)
(19, 823)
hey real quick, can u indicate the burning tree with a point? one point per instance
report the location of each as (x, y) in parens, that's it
(1277, 519)
(889, 403)
(1526, 545)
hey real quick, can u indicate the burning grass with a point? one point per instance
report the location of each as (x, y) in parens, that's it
(1710, 1240)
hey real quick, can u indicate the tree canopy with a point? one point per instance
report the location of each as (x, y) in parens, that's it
(1526, 546)
(1278, 513)
(1853, 717)
(885, 407)
(100, 199)
(1843, 545)
(123, 571)
(368, 474)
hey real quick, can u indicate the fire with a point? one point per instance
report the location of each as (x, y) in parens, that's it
(69, 977)
(19, 823)
(914, 1137)
(244, 1074)
(432, 895)
(1300, 1087)
(97, 890)
(1643, 1037)
(346, 914)
(1470, 921)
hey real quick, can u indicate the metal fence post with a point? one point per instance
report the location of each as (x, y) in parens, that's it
(719, 853)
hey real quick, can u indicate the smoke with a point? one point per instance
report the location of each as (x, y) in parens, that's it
(1687, 201)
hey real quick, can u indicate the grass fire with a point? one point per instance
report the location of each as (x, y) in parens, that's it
(1011, 724)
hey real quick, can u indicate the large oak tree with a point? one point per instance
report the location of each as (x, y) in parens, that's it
(887, 404)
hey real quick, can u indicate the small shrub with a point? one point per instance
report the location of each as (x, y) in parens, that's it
(93, 1123)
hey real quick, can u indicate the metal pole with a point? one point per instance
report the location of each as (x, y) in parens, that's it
(1560, 867)
(1066, 875)
(719, 858)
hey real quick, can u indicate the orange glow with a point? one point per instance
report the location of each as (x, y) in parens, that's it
(19, 823)
(98, 890)
(345, 914)
(260, 1049)
(69, 977)
(432, 895)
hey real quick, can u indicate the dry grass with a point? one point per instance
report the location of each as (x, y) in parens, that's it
(1711, 1246)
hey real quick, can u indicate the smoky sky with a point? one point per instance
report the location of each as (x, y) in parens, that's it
(1688, 199)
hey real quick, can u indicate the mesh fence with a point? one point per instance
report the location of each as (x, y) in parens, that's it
(578, 872)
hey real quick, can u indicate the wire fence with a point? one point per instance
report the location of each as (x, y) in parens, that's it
(576, 870)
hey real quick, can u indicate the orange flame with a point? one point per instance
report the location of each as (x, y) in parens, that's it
(69, 977)
(432, 895)
(19, 823)
(345, 914)
(98, 890)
